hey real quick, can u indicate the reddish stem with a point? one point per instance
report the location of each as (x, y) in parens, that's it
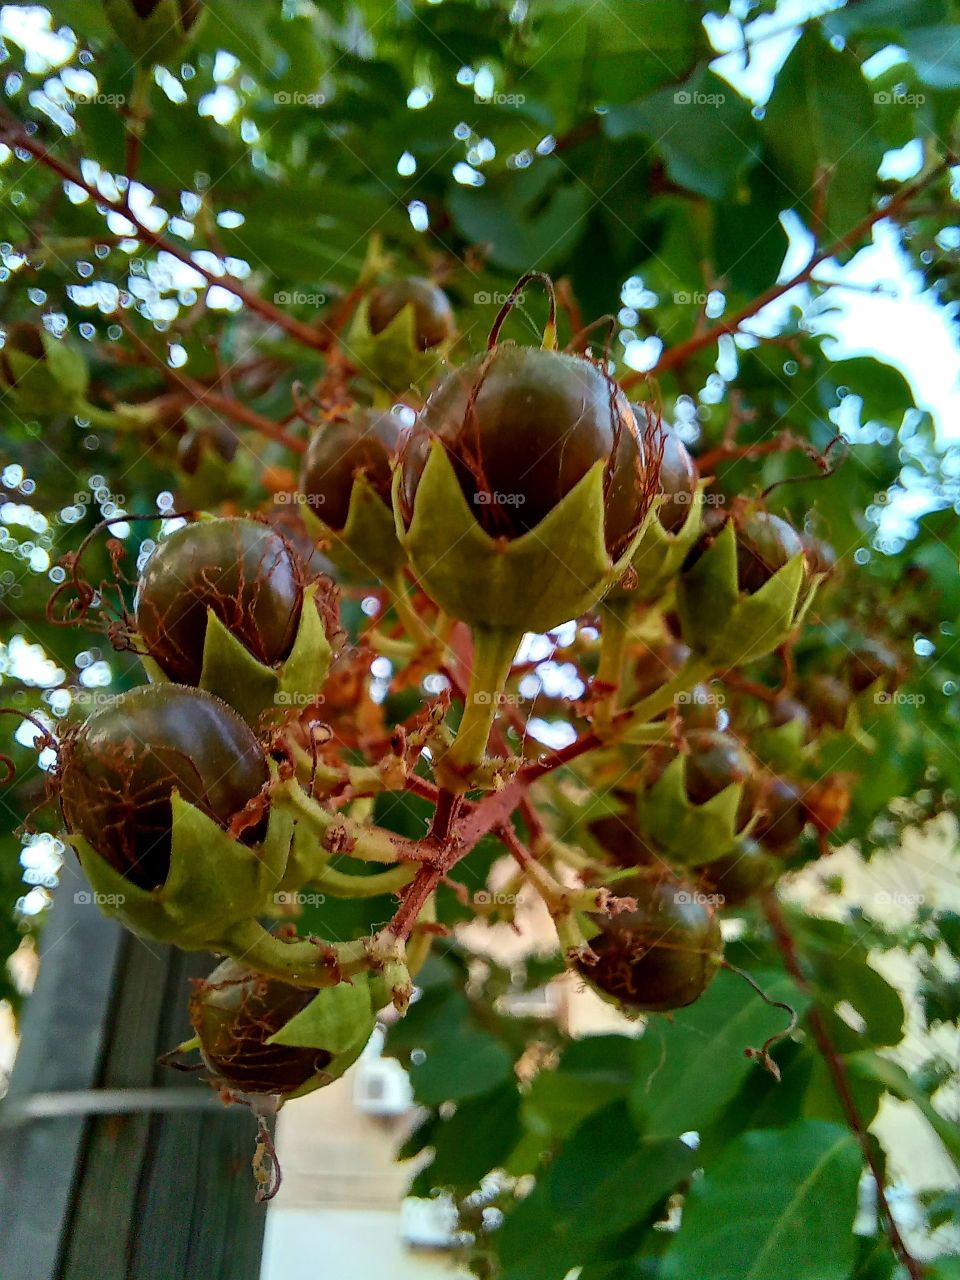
(684, 350)
(841, 1083)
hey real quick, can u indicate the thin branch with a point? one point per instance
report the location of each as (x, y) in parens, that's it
(841, 1083)
(684, 350)
(16, 136)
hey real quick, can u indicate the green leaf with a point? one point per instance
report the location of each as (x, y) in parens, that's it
(706, 1043)
(703, 129)
(527, 219)
(821, 133)
(614, 51)
(606, 1178)
(466, 1065)
(779, 1204)
(478, 1137)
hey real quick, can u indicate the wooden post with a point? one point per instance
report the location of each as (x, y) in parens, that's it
(112, 1167)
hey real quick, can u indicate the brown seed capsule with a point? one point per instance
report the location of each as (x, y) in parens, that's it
(118, 769)
(432, 315)
(522, 426)
(242, 571)
(661, 956)
(765, 543)
(234, 1013)
(366, 443)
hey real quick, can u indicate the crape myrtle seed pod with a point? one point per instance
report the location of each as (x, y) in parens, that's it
(872, 663)
(432, 314)
(678, 483)
(226, 604)
(697, 800)
(523, 483)
(234, 1013)
(346, 481)
(400, 331)
(119, 768)
(828, 700)
(741, 874)
(781, 813)
(242, 571)
(661, 956)
(667, 538)
(765, 543)
(743, 589)
(821, 556)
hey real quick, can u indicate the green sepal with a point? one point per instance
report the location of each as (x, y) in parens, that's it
(56, 384)
(213, 883)
(690, 834)
(727, 627)
(554, 572)
(660, 554)
(336, 1019)
(780, 747)
(303, 671)
(153, 39)
(366, 548)
(332, 1071)
(231, 672)
(392, 356)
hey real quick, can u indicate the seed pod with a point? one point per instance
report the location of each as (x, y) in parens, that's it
(241, 571)
(828, 700)
(234, 1013)
(698, 799)
(400, 331)
(743, 589)
(765, 543)
(346, 480)
(781, 813)
(432, 314)
(225, 604)
(259, 1035)
(678, 483)
(119, 769)
(522, 488)
(661, 956)
(741, 874)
